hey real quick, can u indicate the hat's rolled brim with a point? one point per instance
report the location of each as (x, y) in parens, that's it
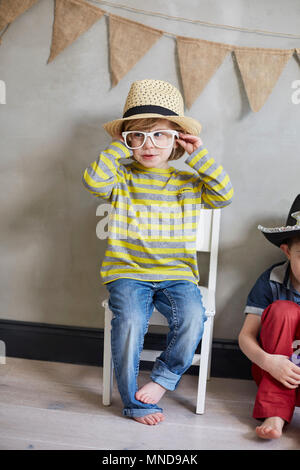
(188, 124)
(280, 237)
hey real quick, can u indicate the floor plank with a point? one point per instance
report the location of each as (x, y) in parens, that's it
(58, 406)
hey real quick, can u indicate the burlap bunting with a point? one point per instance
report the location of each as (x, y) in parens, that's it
(129, 41)
(260, 70)
(11, 9)
(198, 60)
(71, 19)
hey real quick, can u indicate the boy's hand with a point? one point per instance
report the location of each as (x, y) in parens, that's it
(189, 142)
(283, 370)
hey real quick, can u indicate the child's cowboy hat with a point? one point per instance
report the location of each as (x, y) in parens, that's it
(154, 99)
(279, 235)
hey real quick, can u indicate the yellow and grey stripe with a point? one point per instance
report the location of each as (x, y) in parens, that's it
(154, 213)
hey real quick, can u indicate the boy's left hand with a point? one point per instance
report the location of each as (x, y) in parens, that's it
(189, 142)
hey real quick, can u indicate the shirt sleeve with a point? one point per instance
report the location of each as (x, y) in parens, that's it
(106, 172)
(260, 296)
(214, 183)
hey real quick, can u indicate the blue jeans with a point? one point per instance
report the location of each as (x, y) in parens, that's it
(132, 303)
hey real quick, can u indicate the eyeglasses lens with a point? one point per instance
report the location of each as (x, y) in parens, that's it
(162, 139)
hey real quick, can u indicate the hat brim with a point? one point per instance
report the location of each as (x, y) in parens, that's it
(188, 124)
(279, 238)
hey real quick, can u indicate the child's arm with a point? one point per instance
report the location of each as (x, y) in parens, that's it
(280, 367)
(215, 185)
(248, 340)
(103, 175)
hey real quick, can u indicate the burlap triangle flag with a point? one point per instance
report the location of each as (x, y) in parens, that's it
(71, 19)
(11, 9)
(298, 53)
(198, 60)
(128, 42)
(260, 70)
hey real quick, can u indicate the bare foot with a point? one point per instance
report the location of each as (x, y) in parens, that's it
(150, 393)
(271, 428)
(150, 419)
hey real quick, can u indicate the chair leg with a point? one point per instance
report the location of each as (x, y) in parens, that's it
(210, 348)
(107, 360)
(204, 359)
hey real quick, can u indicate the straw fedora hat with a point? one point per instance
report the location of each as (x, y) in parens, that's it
(154, 99)
(278, 235)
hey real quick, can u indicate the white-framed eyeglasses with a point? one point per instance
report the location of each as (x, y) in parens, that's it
(162, 139)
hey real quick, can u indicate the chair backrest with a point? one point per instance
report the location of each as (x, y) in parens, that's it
(207, 240)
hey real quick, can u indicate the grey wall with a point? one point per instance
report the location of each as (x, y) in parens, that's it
(51, 130)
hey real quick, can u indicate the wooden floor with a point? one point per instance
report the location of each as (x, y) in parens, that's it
(47, 405)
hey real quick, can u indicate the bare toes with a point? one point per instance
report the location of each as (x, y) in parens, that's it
(150, 393)
(267, 432)
(150, 419)
(144, 398)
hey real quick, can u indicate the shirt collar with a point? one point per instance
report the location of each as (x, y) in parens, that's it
(281, 273)
(168, 170)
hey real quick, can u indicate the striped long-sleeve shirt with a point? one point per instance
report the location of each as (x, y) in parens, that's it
(154, 212)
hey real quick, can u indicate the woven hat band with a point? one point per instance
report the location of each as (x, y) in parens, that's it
(149, 109)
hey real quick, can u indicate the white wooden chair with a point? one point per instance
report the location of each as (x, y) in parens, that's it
(207, 241)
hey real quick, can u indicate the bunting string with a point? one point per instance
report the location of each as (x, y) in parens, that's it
(188, 20)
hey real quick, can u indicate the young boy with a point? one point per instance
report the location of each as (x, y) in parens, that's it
(273, 313)
(151, 259)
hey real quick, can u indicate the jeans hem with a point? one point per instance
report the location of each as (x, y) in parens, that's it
(163, 376)
(137, 412)
(165, 383)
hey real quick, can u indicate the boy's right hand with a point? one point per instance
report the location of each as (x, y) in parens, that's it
(283, 370)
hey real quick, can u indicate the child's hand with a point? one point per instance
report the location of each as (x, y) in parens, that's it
(189, 142)
(283, 370)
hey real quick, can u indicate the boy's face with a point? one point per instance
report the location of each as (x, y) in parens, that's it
(151, 156)
(293, 254)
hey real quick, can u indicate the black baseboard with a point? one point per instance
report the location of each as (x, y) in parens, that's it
(78, 345)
